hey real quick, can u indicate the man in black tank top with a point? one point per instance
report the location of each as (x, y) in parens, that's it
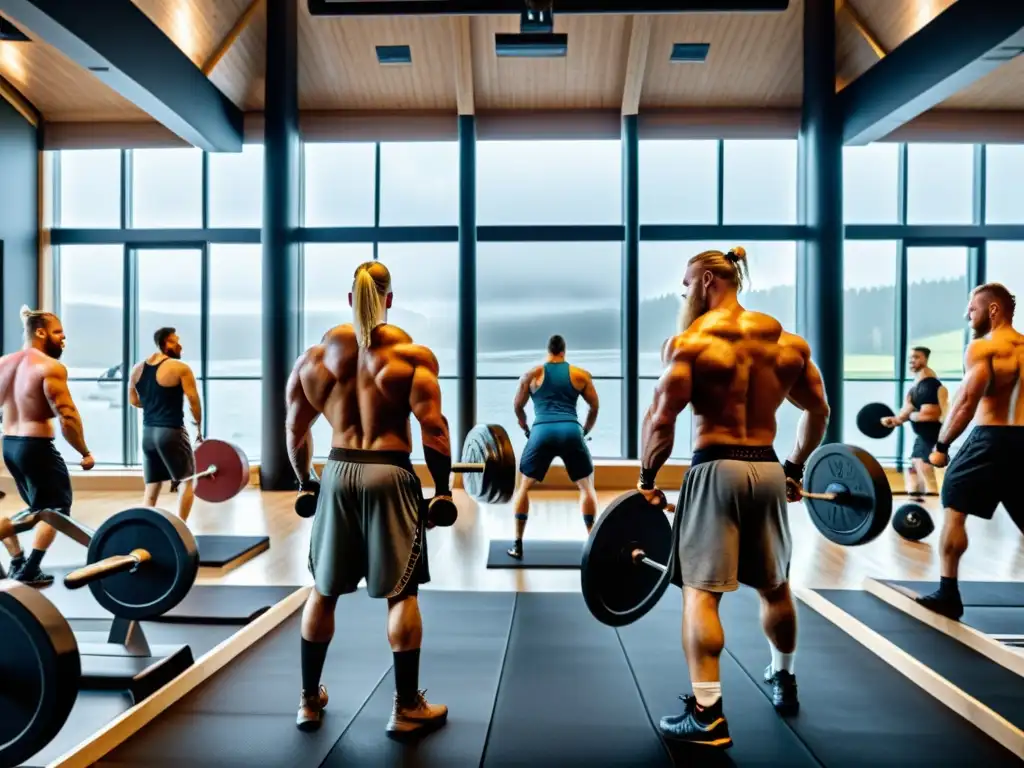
(159, 386)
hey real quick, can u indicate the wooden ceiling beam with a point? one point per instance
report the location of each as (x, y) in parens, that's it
(462, 45)
(232, 36)
(16, 99)
(853, 15)
(636, 64)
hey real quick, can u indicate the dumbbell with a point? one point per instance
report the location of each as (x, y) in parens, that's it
(869, 420)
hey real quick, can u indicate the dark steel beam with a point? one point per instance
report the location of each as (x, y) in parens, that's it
(961, 45)
(492, 7)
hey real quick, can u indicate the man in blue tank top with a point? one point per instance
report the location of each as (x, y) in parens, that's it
(555, 387)
(159, 385)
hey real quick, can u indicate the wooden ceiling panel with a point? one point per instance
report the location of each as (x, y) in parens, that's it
(196, 26)
(891, 22)
(1002, 88)
(755, 60)
(854, 56)
(241, 74)
(338, 67)
(590, 76)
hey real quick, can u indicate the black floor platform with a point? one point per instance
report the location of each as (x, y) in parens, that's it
(570, 692)
(993, 685)
(221, 551)
(1001, 594)
(536, 554)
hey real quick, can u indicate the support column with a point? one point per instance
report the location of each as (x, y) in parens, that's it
(630, 288)
(821, 206)
(280, 249)
(466, 343)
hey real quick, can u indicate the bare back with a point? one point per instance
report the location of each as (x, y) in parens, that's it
(26, 409)
(999, 362)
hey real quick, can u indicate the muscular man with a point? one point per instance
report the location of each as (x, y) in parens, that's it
(735, 367)
(983, 472)
(555, 386)
(366, 378)
(34, 390)
(926, 402)
(159, 385)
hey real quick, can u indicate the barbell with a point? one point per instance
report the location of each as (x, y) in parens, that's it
(222, 471)
(630, 557)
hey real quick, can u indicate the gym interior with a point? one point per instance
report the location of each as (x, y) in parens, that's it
(524, 169)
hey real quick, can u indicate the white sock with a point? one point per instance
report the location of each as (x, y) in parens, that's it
(707, 693)
(782, 661)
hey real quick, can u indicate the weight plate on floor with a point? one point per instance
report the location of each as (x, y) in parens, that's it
(157, 585)
(40, 671)
(912, 522)
(232, 473)
(869, 420)
(489, 444)
(617, 590)
(863, 510)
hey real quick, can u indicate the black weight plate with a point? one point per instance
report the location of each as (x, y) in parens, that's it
(869, 420)
(489, 444)
(616, 590)
(912, 522)
(865, 512)
(156, 586)
(40, 671)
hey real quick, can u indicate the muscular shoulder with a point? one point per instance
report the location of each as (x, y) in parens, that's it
(533, 373)
(980, 351)
(418, 356)
(580, 376)
(760, 325)
(795, 343)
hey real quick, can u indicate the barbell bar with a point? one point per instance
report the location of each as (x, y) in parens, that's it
(107, 567)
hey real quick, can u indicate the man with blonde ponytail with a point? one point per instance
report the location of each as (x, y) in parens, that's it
(34, 390)
(735, 368)
(367, 378)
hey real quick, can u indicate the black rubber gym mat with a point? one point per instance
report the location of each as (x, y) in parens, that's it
(245, 715)
(760, 736)
(201, 638)
(204, 604)
(463, 652)
(219, 551)
(995, 621)
(855, 709)
(993, 685)
(536, 554)
(567, 696)
(1006, 594)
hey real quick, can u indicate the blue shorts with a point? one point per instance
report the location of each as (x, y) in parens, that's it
(563, 439)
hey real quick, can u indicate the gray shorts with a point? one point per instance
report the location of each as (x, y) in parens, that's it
(734, 527)
(166, 454)
(368, 524)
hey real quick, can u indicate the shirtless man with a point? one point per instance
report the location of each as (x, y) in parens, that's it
(366, 378)
(159, 385)
(735, 367)
(555, 386)
(984, 470)
(34, 390)
(927, 401)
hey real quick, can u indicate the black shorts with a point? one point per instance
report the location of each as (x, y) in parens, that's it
(166, 454)
(39, 472)
(562, 439)
(927, 436)
(984, 473)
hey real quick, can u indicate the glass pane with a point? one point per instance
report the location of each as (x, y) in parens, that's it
(940, 183)
(236, 187)
(233, 414)
(760, 182)
(678, 182)
(170, 291)
(871, 180)
(329, 268)
(857, 394)
(578, 297)
(772, 289)
(339, 184)
(1004, 263)
(1004, 168)
(682, 449)
(869, 309)
(549, 182)
(419, 183)
(937, 304)
(450, 408)
(167, 188)
(92, 309)
(425, 281)
(236, 301)
(90, 188)
(100, 404)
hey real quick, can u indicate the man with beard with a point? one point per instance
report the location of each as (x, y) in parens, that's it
(926, 401)
(736, 368)
(983, 472)
(34, 390)
(158, 386)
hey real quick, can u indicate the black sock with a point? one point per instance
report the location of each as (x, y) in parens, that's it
(407, 674)
(949, 588)
(708, 715)
(313, 656)
(35, 558)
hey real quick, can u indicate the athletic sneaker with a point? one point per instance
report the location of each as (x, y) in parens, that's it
(311, 710)
(697, 725)
(783, 685)
(416, 717)
(942, 603)
(516, 551)
(32, 578)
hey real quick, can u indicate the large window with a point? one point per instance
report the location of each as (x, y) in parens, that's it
(167, 188)
(760, 182)
(339, 185)
(236, 317)
(936, 304)
(89, 192)
(236, 187)
(419, 184)
(871, 177)
(1004, 168)
(678, 182)
(1005, 264)
(940, 183)
(169, 295)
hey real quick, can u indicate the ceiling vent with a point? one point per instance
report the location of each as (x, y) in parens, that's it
(690, 52)
(531, 46)
(394, 54)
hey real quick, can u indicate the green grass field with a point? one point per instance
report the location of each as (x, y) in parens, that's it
(947, 358)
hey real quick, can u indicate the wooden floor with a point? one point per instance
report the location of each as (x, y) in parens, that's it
(458, 555)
